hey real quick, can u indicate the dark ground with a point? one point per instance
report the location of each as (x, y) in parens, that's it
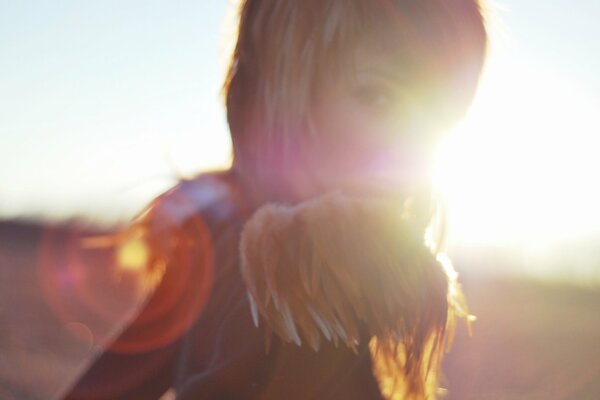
(531, 340)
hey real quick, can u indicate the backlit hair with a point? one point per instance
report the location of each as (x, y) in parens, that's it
(286, 48)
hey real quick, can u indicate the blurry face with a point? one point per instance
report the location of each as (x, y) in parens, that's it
(373, 128)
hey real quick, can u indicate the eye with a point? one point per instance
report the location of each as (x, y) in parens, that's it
(374, 96)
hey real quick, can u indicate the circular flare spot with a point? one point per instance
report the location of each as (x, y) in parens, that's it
(132, 255)
(82, 332)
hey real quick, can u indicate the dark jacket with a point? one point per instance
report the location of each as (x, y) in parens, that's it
(218, 353)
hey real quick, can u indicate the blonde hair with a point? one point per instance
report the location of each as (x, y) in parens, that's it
(285, 49)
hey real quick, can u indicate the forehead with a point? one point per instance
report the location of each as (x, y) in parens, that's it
(392, 58)
(381, 56)
(387, 43)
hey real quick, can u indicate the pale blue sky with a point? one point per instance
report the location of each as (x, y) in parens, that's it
(101, 100)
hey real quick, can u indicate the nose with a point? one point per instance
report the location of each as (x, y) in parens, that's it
(405, 164)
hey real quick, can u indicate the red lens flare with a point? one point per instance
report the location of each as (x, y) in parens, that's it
(79, 285)
(99, 287)
(186, 252)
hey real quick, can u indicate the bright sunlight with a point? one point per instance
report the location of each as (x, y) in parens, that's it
(522, 167)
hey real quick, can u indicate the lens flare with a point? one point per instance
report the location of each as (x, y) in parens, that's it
(181, 253)
(79, 286)
(98, 283)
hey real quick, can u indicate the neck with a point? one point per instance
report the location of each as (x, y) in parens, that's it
(274, 187)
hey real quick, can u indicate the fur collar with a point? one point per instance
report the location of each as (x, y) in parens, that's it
(328, 267)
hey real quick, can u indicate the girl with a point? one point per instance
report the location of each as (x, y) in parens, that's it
(304, 271)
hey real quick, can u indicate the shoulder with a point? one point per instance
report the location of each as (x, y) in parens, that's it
(174, 241)
(187, 219)
(213, 196)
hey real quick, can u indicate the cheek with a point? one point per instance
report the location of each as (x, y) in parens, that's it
(355, 144)
(350, 137)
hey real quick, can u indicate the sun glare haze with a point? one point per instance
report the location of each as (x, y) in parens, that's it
(522, 166)
(519, 173)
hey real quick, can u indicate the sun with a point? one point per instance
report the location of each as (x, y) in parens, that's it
(523, 165)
